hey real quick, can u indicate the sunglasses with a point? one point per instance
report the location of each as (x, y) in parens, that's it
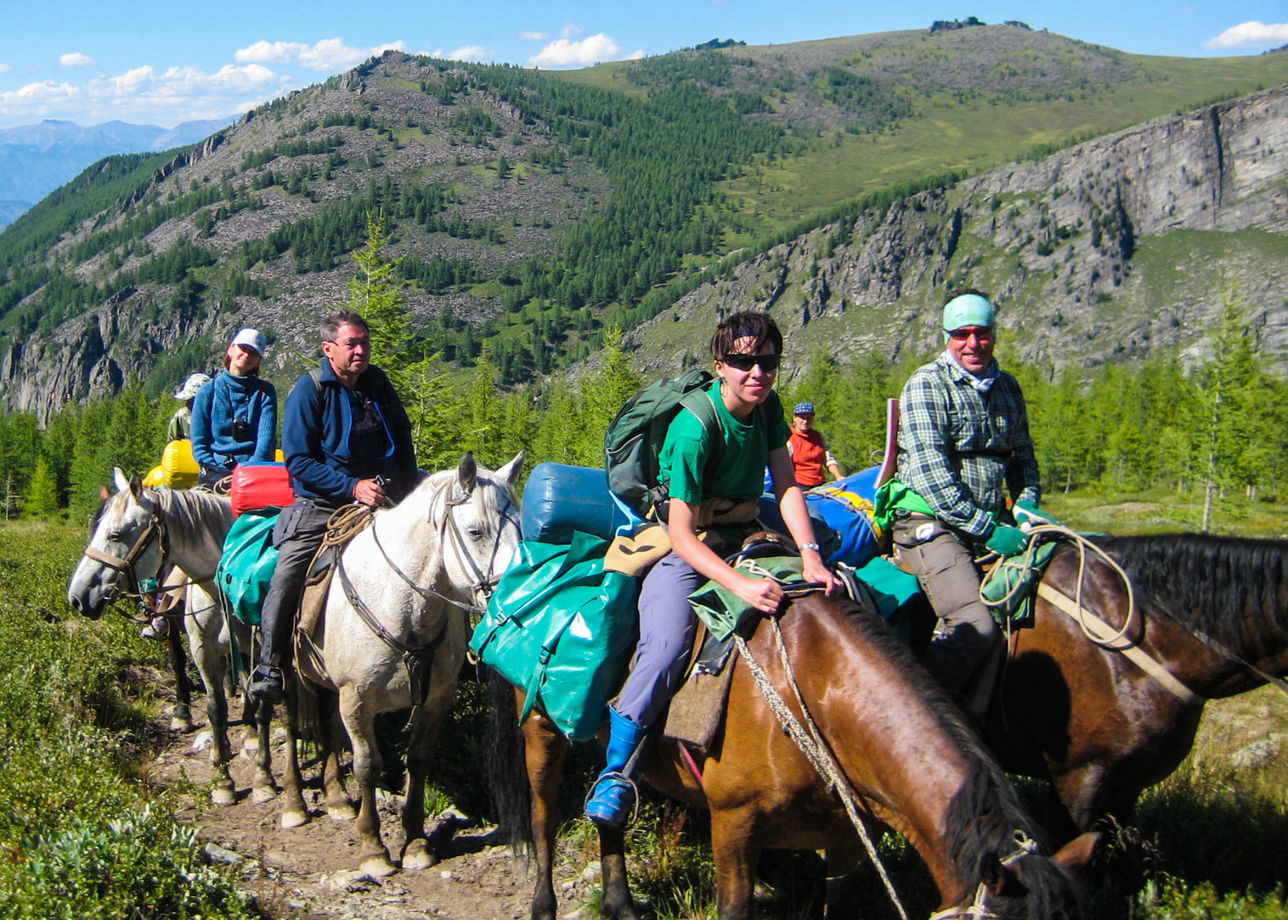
(965, 332)
(768, 363)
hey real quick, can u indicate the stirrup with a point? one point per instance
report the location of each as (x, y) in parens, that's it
(267, 684)
(613, 801)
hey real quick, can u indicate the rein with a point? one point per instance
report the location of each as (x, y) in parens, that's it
(810, 740)
(416, 659)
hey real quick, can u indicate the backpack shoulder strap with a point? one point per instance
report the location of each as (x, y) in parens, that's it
(699, 402)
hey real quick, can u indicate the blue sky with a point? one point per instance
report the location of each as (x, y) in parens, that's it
(88, 61)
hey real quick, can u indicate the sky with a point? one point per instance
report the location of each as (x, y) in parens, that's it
(89, 62)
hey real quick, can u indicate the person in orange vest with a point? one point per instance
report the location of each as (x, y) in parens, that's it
(809, 450)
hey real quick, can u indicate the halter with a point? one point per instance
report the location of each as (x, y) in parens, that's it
(154, 530)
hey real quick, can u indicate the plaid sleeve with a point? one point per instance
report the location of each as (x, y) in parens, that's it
(925, 443)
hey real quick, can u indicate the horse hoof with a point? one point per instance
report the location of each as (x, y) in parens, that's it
(181, 726)
(378, 867)
(341, 812)
(294, 818)
(223, 795)
(417, 855)
(261, 794)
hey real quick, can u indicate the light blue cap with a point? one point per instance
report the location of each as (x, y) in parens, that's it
(967, 310)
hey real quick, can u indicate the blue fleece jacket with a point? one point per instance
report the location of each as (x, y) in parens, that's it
(214, 409)
(325, 457)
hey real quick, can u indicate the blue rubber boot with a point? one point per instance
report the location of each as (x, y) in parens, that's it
(613, 795)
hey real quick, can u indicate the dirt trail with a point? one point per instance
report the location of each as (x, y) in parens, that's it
(311, 871)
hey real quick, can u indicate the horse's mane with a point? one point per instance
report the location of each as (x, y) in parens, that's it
(1209, 583)
(196, 511)
(985, 814)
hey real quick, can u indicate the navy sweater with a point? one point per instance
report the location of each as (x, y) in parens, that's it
(325, 457)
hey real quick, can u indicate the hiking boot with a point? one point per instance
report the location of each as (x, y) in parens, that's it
(157, 630)
(266, 684)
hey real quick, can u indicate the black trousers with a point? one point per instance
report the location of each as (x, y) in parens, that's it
(297, 535)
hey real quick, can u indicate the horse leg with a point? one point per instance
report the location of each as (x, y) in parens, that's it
(735, 850)
(181, 715)
(263, 788)
(617, 901)
(338, 806)
(544, 748)
(361, 723)
(417, 853)
(294, 811)
(211, 665)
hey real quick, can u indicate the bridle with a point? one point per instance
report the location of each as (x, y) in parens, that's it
(154, 531)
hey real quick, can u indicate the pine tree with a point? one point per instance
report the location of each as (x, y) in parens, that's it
(42, 494)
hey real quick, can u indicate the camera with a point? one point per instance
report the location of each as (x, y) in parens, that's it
(242, 430)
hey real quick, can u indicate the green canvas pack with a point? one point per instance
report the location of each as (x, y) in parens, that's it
(561, 628)
(1010, 586)
(635, 436)
(246, 567)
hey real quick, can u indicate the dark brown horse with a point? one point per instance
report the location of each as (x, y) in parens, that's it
(900, 746)
(1212, 611)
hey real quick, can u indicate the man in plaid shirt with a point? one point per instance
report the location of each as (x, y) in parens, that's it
(963, 435)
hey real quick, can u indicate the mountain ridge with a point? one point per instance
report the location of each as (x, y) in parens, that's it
(529, 209)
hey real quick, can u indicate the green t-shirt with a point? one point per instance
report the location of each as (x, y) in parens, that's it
(741, 473)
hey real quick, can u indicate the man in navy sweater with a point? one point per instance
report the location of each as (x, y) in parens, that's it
(346, 439)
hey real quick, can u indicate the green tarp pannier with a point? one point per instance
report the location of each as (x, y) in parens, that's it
(247, 565)
(561, 628)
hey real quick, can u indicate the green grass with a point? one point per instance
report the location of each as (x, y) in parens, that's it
(80, 836)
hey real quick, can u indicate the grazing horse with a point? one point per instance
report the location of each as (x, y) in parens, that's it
(394, 630)
(897, 743)
(1212, 612)
(136, 532)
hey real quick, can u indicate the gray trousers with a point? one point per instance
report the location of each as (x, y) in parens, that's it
(667, 627)
(297, 535)
(946, 570)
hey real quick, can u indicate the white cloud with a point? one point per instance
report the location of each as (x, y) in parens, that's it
(590, 50)
(572, 30)
(330, 54)
(534, 36)
(464, 53)
(76, 59)
(34, 95)
(1250, 33)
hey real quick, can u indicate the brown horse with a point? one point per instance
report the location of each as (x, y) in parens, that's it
(1212, 611)
(900, 746)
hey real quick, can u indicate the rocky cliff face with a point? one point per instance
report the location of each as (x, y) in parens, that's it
(1115, 247)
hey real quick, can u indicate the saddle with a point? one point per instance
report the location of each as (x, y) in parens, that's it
(316, 585)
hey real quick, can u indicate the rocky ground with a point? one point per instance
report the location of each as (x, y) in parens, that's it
(311, 872)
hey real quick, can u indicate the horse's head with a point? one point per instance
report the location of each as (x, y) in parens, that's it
(1023, 883)
(479, 529)
(127, 543)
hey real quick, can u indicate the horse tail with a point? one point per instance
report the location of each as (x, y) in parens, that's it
(507, 771)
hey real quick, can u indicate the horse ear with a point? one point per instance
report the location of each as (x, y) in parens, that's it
(119, 478)
(467, 472)
(1081, 850)
(510, 472)
(136, 486)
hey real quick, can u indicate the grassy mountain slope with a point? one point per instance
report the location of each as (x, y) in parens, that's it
(529, 209)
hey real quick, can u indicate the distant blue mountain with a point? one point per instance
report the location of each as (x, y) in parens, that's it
(36, 159)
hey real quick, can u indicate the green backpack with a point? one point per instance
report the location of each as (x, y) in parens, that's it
(636, 433)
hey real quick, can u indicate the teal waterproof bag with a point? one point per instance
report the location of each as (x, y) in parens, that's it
(561, 628)
(246, 566)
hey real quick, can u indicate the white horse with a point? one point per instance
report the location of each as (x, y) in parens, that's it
(137, 531)
(396, 625)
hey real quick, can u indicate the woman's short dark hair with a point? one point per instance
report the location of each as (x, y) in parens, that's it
(748, 324)
(342, 317)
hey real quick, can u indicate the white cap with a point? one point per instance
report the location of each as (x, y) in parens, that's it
(190, 386)
(251, 338)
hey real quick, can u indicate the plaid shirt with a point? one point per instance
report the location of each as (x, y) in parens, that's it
(957, 445)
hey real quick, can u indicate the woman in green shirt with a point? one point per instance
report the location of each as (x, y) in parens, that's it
(746, 348)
